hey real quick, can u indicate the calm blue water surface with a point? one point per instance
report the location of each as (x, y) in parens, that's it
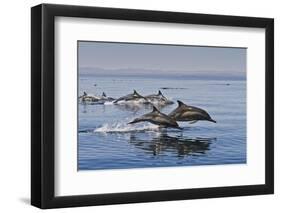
(106, 141)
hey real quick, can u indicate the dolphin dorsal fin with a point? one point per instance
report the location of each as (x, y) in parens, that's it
(84, 93)
(135, 92)
(155, 109)
(181, 103)
(159, 92)
(103, 94)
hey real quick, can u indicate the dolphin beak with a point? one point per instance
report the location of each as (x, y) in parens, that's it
(133, 121)
(212, 120)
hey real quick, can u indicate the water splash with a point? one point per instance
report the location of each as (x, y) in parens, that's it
(124, 127)
(132, 102)
(109, 103)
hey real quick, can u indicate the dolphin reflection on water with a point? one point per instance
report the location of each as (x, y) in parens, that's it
(162, 144)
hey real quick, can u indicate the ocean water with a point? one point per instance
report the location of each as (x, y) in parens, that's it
(106, 141)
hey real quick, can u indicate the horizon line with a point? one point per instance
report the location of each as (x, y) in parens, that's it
(162, 70)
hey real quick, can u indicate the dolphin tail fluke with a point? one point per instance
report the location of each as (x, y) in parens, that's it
(103, 94)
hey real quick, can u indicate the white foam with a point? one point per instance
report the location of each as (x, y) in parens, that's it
(124, 127)
(108, 103)
(132, 102)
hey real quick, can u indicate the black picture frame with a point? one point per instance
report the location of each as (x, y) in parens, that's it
(43, 102)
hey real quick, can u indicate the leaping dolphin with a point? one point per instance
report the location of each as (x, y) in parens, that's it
(159, 99)
(190, 113)
(158, 118)
(135, 96)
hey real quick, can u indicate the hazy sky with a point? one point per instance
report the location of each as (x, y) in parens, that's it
(108, 55)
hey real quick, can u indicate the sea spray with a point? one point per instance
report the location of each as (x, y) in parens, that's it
(124, 127)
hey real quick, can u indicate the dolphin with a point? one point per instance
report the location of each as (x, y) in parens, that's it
(158, 118)
(135, 96)
(105, 98)
(85, 98)
(189, 113)
(159, 99)
(84, 94)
